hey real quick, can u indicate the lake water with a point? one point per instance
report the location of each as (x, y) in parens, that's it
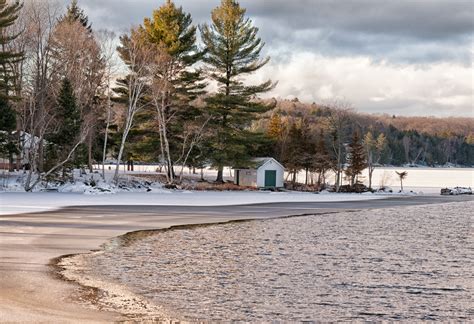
(410, 264)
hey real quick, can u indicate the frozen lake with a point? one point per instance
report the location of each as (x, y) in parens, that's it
(424, 179)
(428, 180)
(397, 264)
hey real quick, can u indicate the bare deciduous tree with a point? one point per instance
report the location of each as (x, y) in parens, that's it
(77, 56)
(108, 49)
(374, 149)
(338, 121)
(138, 56)
(39, 18)
(81, 137)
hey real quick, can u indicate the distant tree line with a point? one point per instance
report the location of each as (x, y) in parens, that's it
(333, 137)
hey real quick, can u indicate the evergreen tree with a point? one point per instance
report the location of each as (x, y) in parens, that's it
(8, 145)
(176, 83)
(356, 162)
(72, 35)
(233, 51)
(8, 15)
(75, 13)
(7, 116)
(68, 117)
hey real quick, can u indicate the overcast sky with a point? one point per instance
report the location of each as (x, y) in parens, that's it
(391, 56)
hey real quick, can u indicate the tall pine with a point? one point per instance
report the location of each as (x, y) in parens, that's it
(171, 30)
(75, 13)
(68, 118)
(8, 15)
(8, 145)
(233, 51)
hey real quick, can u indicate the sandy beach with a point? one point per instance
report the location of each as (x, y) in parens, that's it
(31, 291)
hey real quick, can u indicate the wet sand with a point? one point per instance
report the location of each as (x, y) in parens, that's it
(30, 289)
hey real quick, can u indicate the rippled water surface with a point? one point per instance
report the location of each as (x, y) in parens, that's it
(411, 263)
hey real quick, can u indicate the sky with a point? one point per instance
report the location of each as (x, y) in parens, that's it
(393, 56)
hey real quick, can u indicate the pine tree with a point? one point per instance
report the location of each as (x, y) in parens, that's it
(68, 126)
(68, 116)
(72, 35)
(8, 15)
(8, 145)
(7, 116)
(356, 161)
(176, 82)
(233, 51)
(75, 13)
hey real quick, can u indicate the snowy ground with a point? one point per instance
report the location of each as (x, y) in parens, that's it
(18, 202)
(14, 200)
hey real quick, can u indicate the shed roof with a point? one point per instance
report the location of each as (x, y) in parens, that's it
(259, 162)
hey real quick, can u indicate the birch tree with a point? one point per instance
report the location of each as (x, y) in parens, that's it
(137, 54)
(176, 82)
(374, 149)
(108, 49)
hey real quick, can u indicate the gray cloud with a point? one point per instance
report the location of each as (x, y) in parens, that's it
(403, 33)
(433, 19)
(398, 30)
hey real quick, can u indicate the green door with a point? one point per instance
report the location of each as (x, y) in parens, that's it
(270, 178)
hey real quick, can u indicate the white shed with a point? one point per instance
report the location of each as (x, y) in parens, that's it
(268, 173)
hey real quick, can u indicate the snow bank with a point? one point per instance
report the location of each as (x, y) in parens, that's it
(20, 202)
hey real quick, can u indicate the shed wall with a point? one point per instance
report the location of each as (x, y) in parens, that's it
(270, 166)
(247, 178)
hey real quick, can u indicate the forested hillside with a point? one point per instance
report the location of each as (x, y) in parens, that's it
(426, 141)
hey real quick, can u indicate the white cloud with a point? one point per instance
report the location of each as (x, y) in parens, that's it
(440, 89)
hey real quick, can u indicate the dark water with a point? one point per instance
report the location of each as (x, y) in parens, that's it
(410, 264)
